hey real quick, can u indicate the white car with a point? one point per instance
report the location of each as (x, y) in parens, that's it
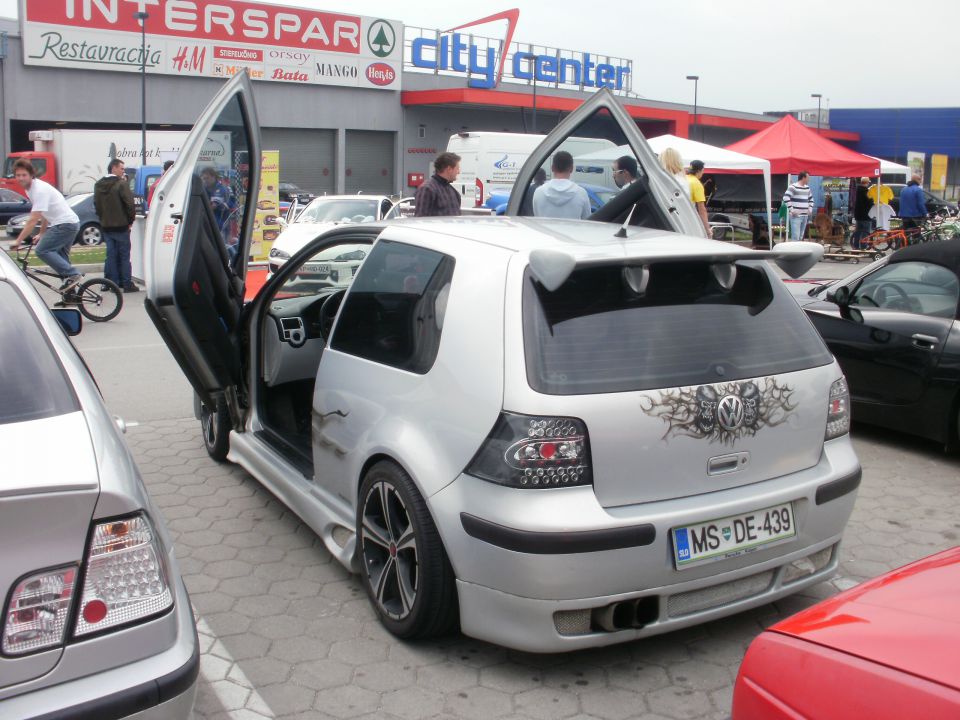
(324, 213)
(552, 434)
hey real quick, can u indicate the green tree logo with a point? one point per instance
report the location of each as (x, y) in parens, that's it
(381, 38)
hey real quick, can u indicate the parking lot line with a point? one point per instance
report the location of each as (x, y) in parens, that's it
(226, 679)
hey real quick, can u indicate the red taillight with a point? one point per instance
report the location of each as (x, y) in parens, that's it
(478, 199)
(533, 452)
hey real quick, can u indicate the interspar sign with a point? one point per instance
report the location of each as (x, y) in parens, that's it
(215, 38)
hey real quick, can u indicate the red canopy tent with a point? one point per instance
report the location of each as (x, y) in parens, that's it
(791, 146)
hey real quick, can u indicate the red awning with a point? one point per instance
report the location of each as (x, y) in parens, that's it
(791, 146)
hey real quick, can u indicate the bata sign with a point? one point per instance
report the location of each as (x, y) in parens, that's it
(214, 38)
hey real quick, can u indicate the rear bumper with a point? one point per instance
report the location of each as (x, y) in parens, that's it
(523, 556)
(159, 687)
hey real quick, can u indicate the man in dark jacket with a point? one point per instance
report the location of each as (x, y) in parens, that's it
(913, 205)
(861, 213)
(437, 197)
(114, 204)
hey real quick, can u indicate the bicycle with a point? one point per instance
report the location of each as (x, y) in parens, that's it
(98, 299)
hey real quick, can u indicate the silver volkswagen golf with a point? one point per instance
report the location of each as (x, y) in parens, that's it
(551, 434)
(95, 622)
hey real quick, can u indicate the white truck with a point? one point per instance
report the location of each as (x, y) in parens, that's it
(490, 161)
(73, 160)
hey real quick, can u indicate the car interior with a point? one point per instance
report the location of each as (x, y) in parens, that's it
(394, 318)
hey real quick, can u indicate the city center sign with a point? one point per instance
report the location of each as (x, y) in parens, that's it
(486, 61)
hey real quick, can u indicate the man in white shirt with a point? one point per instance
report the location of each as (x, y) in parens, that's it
(59, 224)
(561, 197)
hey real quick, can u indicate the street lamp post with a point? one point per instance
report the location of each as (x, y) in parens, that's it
(818, 96)
(533, 76)
(696, 80)
(142, 17)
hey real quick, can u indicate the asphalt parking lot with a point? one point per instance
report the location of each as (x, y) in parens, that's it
(287, 633)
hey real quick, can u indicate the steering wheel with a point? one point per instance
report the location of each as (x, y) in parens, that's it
(358, 218)
(881, 294)
(328, 310)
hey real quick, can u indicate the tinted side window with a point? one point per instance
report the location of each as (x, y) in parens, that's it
(394, 311)
(32, 383)
(916, 287)
(599, 333)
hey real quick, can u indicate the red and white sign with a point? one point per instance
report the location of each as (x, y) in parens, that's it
(212, 38)
(381, 74)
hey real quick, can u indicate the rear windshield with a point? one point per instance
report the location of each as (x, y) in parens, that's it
(32, 383)
(608, 330)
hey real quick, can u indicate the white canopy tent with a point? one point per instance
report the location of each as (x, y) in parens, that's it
(888, 167)
(715, 159)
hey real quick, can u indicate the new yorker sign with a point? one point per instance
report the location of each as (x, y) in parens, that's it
(215, 38)
(485, 61)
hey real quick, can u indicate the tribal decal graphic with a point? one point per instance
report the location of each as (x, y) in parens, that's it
(722, 413)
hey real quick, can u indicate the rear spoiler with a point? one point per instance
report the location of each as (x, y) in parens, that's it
(551, 268)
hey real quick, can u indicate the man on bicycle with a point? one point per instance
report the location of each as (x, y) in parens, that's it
(59, 224)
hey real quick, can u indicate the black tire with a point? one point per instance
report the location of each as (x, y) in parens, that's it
(99, 299)
(215, 427)
(89, 235)
(404, 566)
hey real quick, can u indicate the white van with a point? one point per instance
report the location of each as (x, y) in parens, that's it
(491, 160)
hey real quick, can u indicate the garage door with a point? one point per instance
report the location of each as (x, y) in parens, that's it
(369, 162)
(306, 157)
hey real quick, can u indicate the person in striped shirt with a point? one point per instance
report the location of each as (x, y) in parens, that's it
(799, 201)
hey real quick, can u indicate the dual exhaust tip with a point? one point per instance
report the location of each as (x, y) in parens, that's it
(626, 614)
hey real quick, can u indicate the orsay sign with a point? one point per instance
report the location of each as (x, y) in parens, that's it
(213, 38)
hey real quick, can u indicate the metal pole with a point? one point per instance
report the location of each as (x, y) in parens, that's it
(534, 101)
(819, 98)
(696, 82)
(142, 17)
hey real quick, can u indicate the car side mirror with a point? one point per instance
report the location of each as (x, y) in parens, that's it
(70, 320)
(840, 296)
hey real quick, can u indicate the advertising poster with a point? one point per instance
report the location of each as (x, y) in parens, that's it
(916, 162)
(938, 173)
(266, 227)
(215, 38)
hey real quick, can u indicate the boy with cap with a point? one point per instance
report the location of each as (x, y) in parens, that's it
(697, 195)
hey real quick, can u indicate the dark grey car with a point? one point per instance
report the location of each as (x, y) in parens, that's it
(82, 204)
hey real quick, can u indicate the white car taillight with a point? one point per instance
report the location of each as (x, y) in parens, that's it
(36, 616)
(125, 578)
(838, 410)
(533, 452)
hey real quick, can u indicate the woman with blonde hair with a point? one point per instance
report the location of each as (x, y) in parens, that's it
(671, 161)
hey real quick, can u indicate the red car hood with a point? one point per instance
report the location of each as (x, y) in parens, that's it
(908, 619)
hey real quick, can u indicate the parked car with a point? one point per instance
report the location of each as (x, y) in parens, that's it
(90, 232)
(327, 212)
(934, 204)
(893, 327)
(290, 192)
(555, 434)
(96, 621)
(884, 650)
(11, 205)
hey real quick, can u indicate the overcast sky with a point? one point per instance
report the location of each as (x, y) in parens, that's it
(752, 55)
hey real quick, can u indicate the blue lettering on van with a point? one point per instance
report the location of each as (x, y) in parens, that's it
(505, 164)
(481, 63)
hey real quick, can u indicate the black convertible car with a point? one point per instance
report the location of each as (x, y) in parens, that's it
(893, 327)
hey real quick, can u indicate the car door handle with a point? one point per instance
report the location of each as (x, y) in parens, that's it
(926, 342)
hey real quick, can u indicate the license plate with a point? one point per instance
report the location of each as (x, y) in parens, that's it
(732, 536)
(316, 269)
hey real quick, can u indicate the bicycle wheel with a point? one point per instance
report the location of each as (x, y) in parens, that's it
(100, 299)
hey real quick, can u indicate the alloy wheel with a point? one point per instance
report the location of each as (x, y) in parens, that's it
(389, 549)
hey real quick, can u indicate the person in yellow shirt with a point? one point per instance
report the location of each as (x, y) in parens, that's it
(881, 211)
(697, 196)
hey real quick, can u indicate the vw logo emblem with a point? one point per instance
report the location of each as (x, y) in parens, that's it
(730, 412)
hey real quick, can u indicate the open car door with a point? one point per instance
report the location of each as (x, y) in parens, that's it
(653, 200)
(197, 243)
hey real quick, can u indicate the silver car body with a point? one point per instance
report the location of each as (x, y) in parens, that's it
(63, 474)
(545, 569)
